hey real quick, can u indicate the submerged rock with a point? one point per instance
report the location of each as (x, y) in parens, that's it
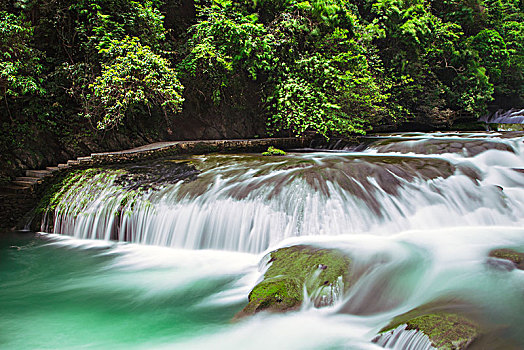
(296, 272)
(444, 331)
(509, 254)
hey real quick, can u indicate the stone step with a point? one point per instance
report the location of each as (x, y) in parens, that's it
(23, 183)
(63, 166)
(52, 168)
(14, 189)
(83, 159)
(37, 173)
(72, 162)
(27, 179)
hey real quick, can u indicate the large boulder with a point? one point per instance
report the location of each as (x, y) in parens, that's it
(444, 331)
(444, 324)
(293, 272)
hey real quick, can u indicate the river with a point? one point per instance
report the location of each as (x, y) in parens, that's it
(162, 255)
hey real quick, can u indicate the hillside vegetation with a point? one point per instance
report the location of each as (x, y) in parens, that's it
(79, 76)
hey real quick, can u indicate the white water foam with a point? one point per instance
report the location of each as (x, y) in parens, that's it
(239, 210)
(402, 339)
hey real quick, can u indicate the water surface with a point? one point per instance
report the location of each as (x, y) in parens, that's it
(158, 256)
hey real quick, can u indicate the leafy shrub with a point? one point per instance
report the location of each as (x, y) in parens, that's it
(134, 76)
(19, 61)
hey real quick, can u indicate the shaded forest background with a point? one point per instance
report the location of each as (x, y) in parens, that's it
(83, 76)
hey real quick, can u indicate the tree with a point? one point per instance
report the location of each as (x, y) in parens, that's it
(311, 60)
(133, 77)
(20, 66)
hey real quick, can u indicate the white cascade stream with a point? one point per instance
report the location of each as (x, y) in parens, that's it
(400, 339)
(249, 203)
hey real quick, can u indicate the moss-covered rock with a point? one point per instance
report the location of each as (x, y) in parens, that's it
(272, 151)
(509, 254)
(445, 330)
(294, 271)
(280, 293)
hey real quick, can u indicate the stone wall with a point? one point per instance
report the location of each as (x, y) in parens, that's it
(15, 208)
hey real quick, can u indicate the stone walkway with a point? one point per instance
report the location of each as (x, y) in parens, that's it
(19, 198)
(154, 150)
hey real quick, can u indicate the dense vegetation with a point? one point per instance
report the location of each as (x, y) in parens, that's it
(75, 71)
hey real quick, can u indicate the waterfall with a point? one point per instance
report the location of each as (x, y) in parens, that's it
(402, 339)
(513, 116)
(249, 203)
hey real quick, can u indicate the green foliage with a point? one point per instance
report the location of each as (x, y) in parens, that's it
(272, 151)
(332, 67)
(434, 67)
(222, 44)
(103, 21)
(316, 70)
(19, 62)
(492, 52)
(134, 76)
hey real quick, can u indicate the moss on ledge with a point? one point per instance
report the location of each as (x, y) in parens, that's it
(446, 329)
(321, 272)
(272, 151)
(53, 191)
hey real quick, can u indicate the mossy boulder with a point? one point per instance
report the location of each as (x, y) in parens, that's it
(293, 271)
(509, 254)
(445, 330)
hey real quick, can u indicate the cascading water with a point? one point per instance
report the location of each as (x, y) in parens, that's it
(418, 215)
(513, 116)
(400, 338)
(249, 203)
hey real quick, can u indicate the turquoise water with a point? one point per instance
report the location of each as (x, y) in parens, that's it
(59, 295)
(58, 292)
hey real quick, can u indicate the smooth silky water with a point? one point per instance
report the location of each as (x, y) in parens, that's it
(146, 262)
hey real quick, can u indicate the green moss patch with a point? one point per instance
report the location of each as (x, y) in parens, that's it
(509, 254)
(446, 330)
(272, 151)
(322, 272)
(54, 191)
(277, 294)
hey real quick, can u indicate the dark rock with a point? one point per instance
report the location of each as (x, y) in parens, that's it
(156, 173)
(445, 330)
(509, 255)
